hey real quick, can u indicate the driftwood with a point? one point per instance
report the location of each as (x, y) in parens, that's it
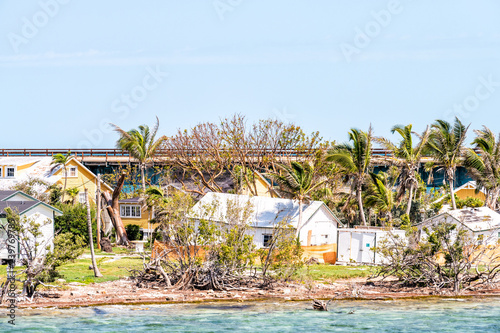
(113, 209)
(322, 306)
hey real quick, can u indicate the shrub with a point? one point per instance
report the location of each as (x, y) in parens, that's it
(74, 221)
(133, 232)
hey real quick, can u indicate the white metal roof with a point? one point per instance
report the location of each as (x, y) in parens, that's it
(266, 211)
(476, 219)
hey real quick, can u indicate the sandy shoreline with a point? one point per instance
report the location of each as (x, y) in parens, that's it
(124, 292)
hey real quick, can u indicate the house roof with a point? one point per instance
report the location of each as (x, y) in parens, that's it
(266, 211)
(42, 168)
(475, 219)
(6, 194)
(131, 200)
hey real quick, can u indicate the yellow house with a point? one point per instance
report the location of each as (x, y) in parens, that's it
(133, 211)
(264, 188)
(14, 170)
(78, 176)
(469, 190)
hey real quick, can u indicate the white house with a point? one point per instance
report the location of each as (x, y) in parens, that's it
(483, 224)
(319, 224)
(30, 208)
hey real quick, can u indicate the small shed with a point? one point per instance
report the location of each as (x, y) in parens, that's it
(357, 245)
(483, 223)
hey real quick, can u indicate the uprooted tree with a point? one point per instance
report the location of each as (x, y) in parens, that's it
(113, 209)
(39, 259)
(446, 258)
(202, 254)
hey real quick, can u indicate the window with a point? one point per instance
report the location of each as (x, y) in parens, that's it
(11, 171)
(267, 240)
(72, 171)
(81, 197)
(130, 211)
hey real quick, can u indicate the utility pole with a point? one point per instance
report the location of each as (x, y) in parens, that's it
(98, 213)
(91, 239)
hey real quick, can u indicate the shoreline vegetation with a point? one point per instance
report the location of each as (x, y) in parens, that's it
(210, 252)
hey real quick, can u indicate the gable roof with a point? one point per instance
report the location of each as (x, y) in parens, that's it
(7, 195)
(266, 211)
(474, 219)
(41, 168)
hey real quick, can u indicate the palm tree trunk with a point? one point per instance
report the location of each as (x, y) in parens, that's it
(410, 195)
(360, 204)
(299, 225)
(97, 273)
(452, 193)
(65, 182)
(143, 179)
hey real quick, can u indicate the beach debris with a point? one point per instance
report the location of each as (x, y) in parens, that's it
(320, 305)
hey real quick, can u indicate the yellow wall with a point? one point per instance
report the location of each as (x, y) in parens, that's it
(84, 179)
(142, 221)
(466, 192)
(263, 189)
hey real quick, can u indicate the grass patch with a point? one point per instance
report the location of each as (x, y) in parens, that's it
(330, 273)
(78, 271)
(116, 250)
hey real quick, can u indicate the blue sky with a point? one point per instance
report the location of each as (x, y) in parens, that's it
(68, 67)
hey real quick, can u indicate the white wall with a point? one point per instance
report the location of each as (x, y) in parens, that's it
(321, 224)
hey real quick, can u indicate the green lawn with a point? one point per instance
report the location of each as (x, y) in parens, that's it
(78, 271)
(116, 250)
(330, 273)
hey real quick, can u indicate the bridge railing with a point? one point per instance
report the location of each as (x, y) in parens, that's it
(103, 152)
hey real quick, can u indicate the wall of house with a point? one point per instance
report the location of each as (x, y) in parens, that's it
(19, 197)
(319, 230)
(140, 221)
(41, 215)
(84, 179)
(263, 189)
(466, 192)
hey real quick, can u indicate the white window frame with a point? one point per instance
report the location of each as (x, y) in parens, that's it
(7, 171)
(130, 211)
(69, 171)
(81, 197)
(264, 239)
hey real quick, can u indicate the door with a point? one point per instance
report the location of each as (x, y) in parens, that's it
(367, 254)
(357, 247)
(344, 246)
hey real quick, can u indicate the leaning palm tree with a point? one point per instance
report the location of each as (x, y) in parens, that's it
(297, 181)
(445, 146)
(380, 195)
(407, 158)
(60, 160)
(484, 165)
(354, 161)
(140, 144)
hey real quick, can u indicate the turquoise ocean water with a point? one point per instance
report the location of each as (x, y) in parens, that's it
(449, 315)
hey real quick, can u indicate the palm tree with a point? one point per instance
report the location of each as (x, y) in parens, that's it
(485, 165)
(73, 192)
(297, 181)
(354, 160)
(140, 144)
(380, 195)
(407, 158)
(61, 160)
(445, 146)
